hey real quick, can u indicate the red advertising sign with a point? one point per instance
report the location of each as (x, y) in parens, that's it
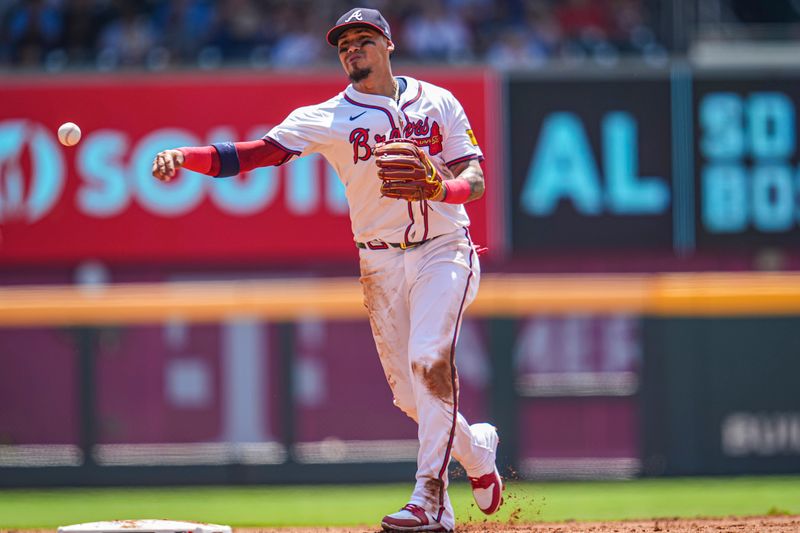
(98, 199)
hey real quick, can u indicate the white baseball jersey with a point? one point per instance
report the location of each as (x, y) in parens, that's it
(345, 130)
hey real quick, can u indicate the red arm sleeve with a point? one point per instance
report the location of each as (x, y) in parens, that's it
(260, 153)
(251, 154)
(202, 159)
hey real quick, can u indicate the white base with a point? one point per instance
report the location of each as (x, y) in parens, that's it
(144, 526)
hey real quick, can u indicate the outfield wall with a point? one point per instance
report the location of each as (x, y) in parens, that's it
(720, 396)
(631, 169)
(586, 377)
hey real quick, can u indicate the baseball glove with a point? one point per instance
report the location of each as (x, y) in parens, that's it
(406, 172)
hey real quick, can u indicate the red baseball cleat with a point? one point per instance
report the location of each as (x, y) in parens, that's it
(487, 489)
(411, 518)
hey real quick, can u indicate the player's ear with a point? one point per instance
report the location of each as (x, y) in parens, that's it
(389, 45)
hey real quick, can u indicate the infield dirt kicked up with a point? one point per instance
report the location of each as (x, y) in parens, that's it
(754, 524)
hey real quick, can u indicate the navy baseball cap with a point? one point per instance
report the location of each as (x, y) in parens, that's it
(359, 16)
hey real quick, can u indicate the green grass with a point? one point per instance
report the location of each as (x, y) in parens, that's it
(365, 504)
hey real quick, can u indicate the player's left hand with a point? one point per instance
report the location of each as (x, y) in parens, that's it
(406, 171)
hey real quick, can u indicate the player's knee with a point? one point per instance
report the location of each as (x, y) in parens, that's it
(429, 355)
(436, 375)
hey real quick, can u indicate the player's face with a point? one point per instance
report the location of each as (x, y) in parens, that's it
(362, 51)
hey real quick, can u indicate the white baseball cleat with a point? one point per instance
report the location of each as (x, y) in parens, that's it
(487, 489)
(411, 518)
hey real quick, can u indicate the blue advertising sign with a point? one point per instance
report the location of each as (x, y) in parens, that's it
(747, 161)
(590, 163)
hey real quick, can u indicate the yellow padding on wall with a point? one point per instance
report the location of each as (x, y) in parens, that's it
(685, 294)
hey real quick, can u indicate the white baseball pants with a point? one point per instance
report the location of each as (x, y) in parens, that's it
(416, 299)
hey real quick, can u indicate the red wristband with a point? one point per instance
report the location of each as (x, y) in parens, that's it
(457, 191)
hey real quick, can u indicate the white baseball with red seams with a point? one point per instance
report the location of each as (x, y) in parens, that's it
(416, 297)
(69, 134)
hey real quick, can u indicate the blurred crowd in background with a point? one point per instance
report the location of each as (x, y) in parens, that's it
(157, 34)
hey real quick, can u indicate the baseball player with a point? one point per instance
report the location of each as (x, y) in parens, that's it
(407, 157)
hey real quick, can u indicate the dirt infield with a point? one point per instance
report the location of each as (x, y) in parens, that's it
(757, 524)
(753, 524)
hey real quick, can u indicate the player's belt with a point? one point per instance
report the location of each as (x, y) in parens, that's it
(380, 245)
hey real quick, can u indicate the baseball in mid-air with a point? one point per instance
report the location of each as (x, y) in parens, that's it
(69, 134)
